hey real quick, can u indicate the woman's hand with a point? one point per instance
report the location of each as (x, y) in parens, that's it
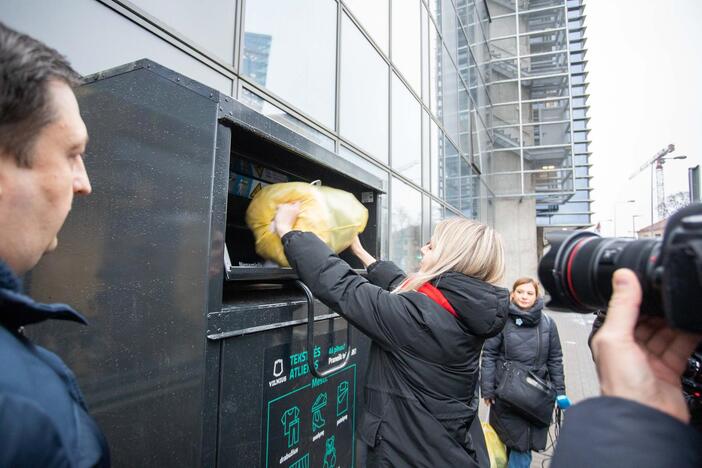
(362, 254)
(285, 218)
(489, 401)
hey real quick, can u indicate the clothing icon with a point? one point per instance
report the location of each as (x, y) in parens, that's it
(303, 462)
(342, 398)
(330, 453)
(291, 425)
(319, 403)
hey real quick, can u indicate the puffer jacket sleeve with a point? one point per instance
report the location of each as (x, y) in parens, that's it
(555, 359)
(385, 274)
(389, 319)
(488, 367)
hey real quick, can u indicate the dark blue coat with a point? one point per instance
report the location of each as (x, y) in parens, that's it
(43, 418)
(609, 431)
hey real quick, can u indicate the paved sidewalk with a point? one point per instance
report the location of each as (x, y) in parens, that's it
(581, 378)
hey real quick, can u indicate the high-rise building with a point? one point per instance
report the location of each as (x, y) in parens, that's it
(538, 164)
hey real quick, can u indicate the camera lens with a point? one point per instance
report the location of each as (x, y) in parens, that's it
(577, 270)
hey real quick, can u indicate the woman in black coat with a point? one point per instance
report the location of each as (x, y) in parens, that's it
(426, 330)
(530, 338)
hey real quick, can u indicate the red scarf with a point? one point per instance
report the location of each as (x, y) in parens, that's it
(435, 295)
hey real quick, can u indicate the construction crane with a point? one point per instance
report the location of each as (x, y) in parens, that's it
(658, 159)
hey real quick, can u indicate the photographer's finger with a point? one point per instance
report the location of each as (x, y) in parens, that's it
(623, 312)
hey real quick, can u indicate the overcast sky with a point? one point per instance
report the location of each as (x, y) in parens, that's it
(645, 73)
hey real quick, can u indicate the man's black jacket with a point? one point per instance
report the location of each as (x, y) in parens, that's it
(43, 418)
(423, 363)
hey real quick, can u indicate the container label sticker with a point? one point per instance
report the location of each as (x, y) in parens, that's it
(307, 421)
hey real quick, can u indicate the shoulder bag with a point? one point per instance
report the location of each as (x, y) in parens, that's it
(530, 395)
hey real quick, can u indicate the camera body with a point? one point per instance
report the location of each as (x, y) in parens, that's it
(577, 270)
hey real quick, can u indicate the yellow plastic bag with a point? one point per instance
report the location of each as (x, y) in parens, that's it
(334, 215)
(496, 449)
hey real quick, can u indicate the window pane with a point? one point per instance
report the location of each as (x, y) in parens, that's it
(364, 93)
(542, 19)
(449, 27)
(505, 160)
(406, 37)
(548, 181)
(211, 27)
(547, 158)
(436, 153)
(406, 216)
(505, 184)
(534, 4)
(366, 165)
(256, 102)
(542, 88)
(503, 48)
(437, 214)
(464, 106)
(501, 7)
(503, 92)
(406, 132)
(507, 114)
(425, 55)
(448, 109)
(374, 17)
(503, 70)
(470, 190)
(547, 41)
(293, 53)
(435, 53)
(548, 64)
(503, 26)
(546, 134)
(545, 111)
(506, 137)
(346, 153)
(450, 168)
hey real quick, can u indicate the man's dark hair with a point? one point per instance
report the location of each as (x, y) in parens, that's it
(26, 68)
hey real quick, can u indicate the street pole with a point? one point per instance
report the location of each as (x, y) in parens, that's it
(633, 225)
(651, 223)
(615, 213)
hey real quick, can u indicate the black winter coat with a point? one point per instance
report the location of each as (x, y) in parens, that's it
(423, 363)
(608, 431)
(531, 338)
(43, 418)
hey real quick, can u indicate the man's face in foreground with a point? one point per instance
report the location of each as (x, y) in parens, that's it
(35, 200)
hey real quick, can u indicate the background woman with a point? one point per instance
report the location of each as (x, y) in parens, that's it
(426, 330)
(530, 338)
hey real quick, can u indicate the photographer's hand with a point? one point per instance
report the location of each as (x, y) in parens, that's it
(641, 360)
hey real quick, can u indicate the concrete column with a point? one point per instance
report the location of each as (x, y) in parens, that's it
(515, 220)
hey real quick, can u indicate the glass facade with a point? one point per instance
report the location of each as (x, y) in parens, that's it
(409, 99)
(536, 81)
(456, 102)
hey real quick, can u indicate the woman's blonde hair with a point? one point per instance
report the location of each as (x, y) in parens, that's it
(465, 246)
